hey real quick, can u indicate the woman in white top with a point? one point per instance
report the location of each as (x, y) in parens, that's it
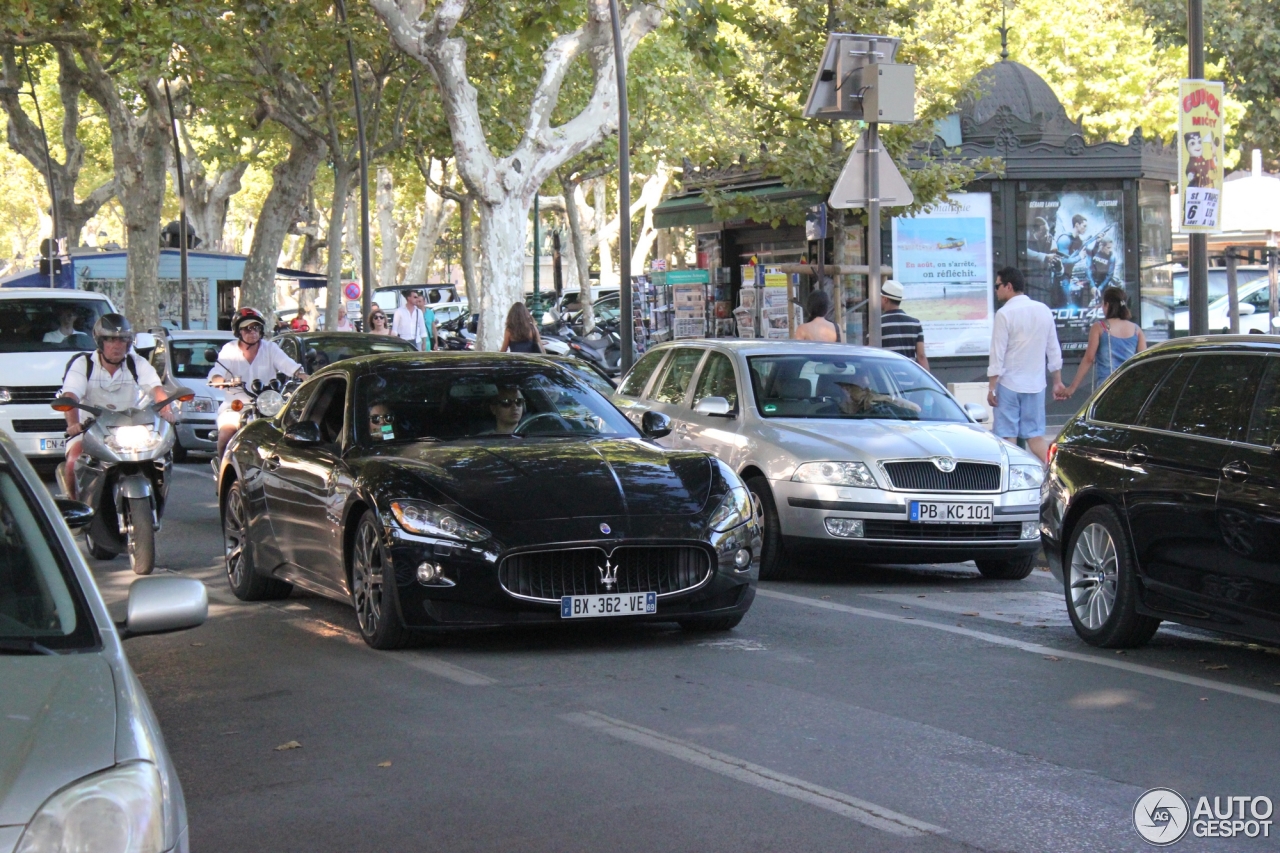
(247, 358)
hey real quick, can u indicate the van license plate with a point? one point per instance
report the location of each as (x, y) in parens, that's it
(53, 444)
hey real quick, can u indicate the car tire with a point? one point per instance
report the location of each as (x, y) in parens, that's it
(1007, 570)
(773, 553)
(243, 578)
(1101, 584)
(377, 610)
(721, 623)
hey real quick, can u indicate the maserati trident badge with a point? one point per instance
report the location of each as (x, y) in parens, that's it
(608, 575)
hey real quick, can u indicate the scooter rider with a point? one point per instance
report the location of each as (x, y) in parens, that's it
(112, 377)
(247, 358)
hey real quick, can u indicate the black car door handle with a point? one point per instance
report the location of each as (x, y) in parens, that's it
(1136, 454)
(271, 463)
(1236, 472)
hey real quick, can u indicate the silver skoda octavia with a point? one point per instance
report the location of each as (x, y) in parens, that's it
(847, 446)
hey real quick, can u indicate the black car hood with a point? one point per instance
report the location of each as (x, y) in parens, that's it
(518, 480)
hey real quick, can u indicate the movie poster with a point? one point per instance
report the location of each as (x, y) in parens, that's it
(942, 259)
(1200, 152)
(1072, 249)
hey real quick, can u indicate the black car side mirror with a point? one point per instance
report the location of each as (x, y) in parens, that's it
(655, 425)
(305, 432)
(74, 513)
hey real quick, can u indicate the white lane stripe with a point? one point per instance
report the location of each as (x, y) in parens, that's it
(866, 813)
(444, 669)
(1034, 648)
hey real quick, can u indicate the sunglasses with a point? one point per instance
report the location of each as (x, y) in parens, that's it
(377, 316)
(509, 403)
(379, 420)
(252, 328)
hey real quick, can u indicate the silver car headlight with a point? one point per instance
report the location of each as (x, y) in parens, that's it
(118, 811)
(734, 510)
(427, 520)
(269, 403)
(835, 474)
(1025, 477)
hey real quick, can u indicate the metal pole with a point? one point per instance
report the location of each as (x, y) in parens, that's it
(537, 254)
(182, 213)
(48, 168)
(366, 248)
(1197, 244)
(873, 234)
(627, 321)
(1233, 293)
(1273, 280)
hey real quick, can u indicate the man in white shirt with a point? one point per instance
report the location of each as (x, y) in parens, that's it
(1024, 345)
(412, 323)
(247, 358)
(110, 378)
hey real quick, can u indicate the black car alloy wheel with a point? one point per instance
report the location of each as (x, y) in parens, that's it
(1101, 584)
(372, 595)
(246, 583)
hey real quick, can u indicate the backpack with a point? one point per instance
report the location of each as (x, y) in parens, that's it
(88, 370)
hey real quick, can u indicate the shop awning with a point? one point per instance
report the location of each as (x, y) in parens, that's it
(694, 209)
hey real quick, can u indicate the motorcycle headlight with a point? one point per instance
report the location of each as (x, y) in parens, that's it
(427, 520)
(835, 474)
(1025, 477)
(734, 509)
(269, 403)
(132, 439)
(119, 810)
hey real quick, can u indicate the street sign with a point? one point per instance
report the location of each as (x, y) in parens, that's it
(351, 290)
(851, 189)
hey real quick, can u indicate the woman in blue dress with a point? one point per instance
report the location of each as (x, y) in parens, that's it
(1112, 341)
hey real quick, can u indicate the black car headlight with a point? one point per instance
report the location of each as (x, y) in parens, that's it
(734, 509)
(428, 520)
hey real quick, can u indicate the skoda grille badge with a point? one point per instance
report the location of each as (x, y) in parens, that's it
(606, 529)
(608, 575)
(945, 464)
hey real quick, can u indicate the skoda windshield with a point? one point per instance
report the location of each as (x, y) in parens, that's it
(49, 325)
(848, 387)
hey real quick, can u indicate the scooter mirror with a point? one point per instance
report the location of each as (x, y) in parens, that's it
(256, 386)
(63, 404)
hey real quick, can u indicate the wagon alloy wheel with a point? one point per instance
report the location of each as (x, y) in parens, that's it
(373, 588)
(1101, 584)
(1093, 576)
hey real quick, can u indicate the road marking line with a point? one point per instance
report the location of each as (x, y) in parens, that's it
(842, 804)
(208, 475)
(1034, 648)
(444, 669)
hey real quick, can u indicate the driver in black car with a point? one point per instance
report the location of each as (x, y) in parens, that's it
(507, 409)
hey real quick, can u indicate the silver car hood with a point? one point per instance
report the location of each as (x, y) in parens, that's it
(57, 724)
(876, 440)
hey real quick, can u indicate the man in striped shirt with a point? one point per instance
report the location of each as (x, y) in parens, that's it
(899, 331)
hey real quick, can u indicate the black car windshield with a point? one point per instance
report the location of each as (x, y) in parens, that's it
(49, 325)
(40, 602)
(319, 350)
(194, 358)
(515, 402)
(836, 386)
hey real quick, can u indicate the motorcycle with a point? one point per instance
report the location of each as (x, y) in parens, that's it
(123, 474)
(265, 401)
(455, 336)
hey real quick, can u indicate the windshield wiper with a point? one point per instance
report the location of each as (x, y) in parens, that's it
(24, 647)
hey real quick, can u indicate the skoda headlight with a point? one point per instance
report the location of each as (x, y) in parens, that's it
(132, 439)
(428, 520)
(117, 811)
(269, 403)
(1025, 477)
(835, 474)
(734, 509)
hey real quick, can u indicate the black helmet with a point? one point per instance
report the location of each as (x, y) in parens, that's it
(244, 317)
(112, 326)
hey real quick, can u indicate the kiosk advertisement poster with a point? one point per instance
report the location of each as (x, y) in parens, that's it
(1200, 150)
(942, 259)
(1074, 249)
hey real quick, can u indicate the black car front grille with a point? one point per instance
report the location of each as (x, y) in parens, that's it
(924, 476)
(548, 575)
(914, 532)
(34, 394)
(41, 425)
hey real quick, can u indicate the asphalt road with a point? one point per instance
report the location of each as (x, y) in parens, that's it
(859, 708)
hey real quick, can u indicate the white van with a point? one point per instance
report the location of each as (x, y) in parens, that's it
(41, 330)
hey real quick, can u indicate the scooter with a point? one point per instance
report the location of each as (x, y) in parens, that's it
(123, 474)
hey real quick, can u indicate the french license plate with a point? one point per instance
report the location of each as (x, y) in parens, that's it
(53, 444)
(589, 606)
(940, 512)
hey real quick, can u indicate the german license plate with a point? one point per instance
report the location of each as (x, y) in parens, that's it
(589, 606)
(941, 512)
(53, 444)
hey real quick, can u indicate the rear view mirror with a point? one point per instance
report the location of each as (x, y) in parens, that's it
(161, 605)
(144, 341)
(655, 425)
(714, 406)
(1246, 308)
(978, 412)
(74, 513)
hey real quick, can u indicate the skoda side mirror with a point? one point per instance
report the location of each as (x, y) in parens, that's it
(304, 432)
(74, 513)
(978, 412)
(716, 407)
(655, 425)
(161, 605)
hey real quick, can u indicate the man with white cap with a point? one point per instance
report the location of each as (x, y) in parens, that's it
(899, 331)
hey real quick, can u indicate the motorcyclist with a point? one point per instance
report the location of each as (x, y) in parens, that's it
(111, 377)
(245, 359)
